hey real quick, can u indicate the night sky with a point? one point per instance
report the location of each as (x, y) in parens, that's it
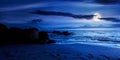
(61, 13)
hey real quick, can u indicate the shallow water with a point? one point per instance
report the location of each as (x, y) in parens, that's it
(91, 36)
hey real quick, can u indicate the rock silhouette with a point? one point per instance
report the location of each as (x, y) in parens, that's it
(23, 36)
(65, 33)
(3, 32)
(44, 37)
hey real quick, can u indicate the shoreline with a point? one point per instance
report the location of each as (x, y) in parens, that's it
(59, 51)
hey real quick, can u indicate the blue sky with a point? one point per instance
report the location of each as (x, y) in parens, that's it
(17, 11)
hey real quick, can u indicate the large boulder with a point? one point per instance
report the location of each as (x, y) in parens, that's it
(3, 33)
(15, 35)
(31, 34)
(44, 38)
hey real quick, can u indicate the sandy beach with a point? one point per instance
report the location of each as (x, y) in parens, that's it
(58, 52)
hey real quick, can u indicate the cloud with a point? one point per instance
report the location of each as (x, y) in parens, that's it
(111, 19)
(107, 2)
(22, 7)
(39, 12)
(116, 25)
(47, 4)
(37, 5)
(36, 21)
(1, 17)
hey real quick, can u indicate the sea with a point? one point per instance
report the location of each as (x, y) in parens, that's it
(97, 36)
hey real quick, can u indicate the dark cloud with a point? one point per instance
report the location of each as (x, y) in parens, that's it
(1, 17)
(111, 19)
(115, 25)
(62, 14)
(107, 1)
(36, 20)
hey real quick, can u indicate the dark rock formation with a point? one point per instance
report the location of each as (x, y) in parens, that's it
(65, 33)
(26, 36)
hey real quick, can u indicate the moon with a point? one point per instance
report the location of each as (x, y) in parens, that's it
(96, 17)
